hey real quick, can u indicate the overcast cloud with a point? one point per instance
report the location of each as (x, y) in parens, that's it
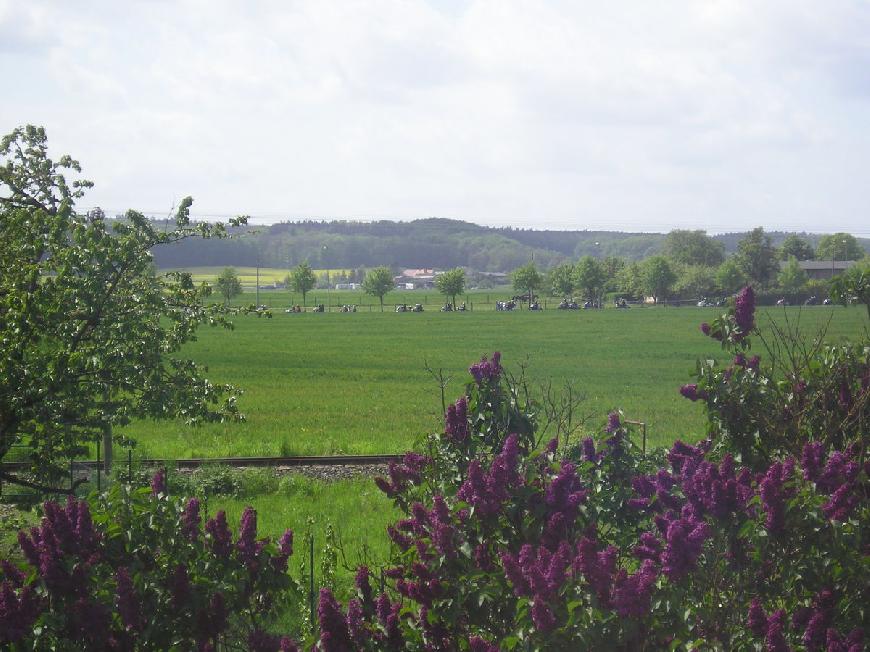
(623, 116)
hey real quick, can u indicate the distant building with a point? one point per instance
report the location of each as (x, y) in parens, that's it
(348, 286)
(413, 279)
(818, 270)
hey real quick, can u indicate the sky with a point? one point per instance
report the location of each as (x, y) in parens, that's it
(630, 116)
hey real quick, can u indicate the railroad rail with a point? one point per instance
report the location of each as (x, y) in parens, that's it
(193, 463)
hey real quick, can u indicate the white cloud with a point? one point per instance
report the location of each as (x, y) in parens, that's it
(631, 116)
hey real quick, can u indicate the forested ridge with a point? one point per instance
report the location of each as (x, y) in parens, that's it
(432, 242)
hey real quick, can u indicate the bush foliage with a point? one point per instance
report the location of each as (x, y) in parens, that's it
(754, 539)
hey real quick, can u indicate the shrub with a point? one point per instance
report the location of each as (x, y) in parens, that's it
(135, 569)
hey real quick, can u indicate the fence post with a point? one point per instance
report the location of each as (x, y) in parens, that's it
(311, 582)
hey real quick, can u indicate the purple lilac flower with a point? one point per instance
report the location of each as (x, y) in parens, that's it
(334, 633)
(753, 362)
(478, 644)
(705, 328)
(841, 503)
(542, 616)
(756, 620)
(247, 542)
(612, 422)
(486, 370)
(811, 460)
(18, 612)
(128, 603)
(774, 638)
(158, 482)
(773, 495)
(356, 622)
(364, 588)
(487, 492)
(285, 550)
(744, 311)
(691, 392)
(684, 540)
(597, 567)
(12, 574)
(221, 537)
(456, 420)
(631, 593)
(589, 450)
(179, 586)
(190, 519)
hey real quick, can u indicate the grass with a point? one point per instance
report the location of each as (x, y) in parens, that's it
(357, 383)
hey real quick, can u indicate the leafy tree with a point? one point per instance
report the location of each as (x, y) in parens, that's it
(853, 283)
(590, 277)
(378, 282)
(612, 266)
(693, 248)
(658, 277)
(228, 284)
(451, 283)
(302, 279)
(792, 278)
(696, 281)
(839, 246)
(757, 257)
(730, 276)
(90, 332)
(561, 279)
(527, 279)
(796, 246)
(630, 280)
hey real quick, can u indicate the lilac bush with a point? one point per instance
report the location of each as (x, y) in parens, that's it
(137, 570)
(603, 547)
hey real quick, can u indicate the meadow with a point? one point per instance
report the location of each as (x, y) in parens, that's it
(357, 383)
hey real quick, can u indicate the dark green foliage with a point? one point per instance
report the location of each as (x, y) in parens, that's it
(89, 331)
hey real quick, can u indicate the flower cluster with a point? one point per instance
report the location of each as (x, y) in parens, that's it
(487, 371)
(87, 586)
(487, 491)
(456, 420)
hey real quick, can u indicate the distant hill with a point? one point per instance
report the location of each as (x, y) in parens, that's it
(432, 243)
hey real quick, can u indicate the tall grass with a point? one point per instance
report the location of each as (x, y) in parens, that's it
(357, 383)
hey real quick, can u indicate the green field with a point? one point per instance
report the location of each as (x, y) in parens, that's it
(247, 275)
(356, 383)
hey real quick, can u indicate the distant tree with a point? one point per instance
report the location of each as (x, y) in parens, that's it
(590, 278)
(451, 283)
(612, 266)
(302, 279)
(693, 248)
(696, 281)
(839, 246)
(853, 285)
(527, 279)
(658, 277)
(757, 257)
(378, 282)
(792, 278)
(91, 333)
(730, 276)
(228, 284)
(796, 246)
(561, 280)
(630, 280)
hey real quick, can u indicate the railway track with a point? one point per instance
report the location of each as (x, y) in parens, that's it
(239, 462)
